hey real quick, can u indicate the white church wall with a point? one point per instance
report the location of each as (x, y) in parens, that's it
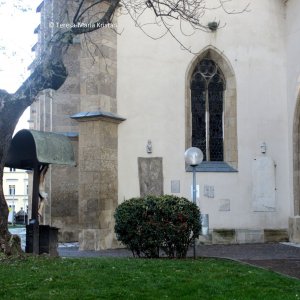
(151, 96)
(293, 77)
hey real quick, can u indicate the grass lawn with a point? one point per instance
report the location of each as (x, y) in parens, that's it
(119, 278)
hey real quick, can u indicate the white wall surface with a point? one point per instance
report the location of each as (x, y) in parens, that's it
(293, 75)
(151, 96)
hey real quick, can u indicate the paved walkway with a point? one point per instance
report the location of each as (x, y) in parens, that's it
(281, 258)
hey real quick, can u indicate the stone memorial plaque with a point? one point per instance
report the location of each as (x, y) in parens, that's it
(264, 187)
(150, 176)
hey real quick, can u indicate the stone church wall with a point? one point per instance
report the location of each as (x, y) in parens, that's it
(147, 82)
(82, 199)
(293, 92)
(51, 113)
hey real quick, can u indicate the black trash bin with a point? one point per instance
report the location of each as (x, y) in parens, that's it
(48, 239)
(21, 217)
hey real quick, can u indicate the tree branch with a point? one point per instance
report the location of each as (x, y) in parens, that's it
(84, 11)
(50, 73)
(101, 22)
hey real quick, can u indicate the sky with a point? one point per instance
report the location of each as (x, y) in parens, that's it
(16, 40)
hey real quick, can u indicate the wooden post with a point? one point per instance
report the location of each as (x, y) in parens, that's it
(35, 208)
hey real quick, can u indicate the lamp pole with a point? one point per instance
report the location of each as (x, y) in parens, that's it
(193, 157)
(194, 201)
(13, 220)
(194, 184)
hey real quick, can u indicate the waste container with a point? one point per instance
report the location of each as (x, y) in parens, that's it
(48, 239)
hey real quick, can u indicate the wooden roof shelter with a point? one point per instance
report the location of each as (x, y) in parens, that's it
(35, 150)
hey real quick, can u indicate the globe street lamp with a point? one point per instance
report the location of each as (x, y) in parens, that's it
(193, 157)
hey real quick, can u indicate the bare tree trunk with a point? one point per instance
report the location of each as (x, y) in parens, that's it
(9, 245)
(4, 234)
(10, 113)
(51, 73)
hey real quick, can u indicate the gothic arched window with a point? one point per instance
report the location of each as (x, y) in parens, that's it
(207, 106)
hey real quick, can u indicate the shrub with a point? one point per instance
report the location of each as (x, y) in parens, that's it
(135, 221)
(148, 224)
(180, 224)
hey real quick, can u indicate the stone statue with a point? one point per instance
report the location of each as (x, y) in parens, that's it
(149, 147)
(42, 194)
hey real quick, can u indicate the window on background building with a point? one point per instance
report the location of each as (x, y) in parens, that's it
(12, 190)
(207, 106)
(12, 170)
(26, 190)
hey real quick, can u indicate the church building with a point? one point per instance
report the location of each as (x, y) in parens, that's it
(133, 104)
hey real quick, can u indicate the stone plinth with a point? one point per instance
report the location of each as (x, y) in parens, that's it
(275, 235)
(248, 236)
(97, 239)
(294, 229)
(223, 236)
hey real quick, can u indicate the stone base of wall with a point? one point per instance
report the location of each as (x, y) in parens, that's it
(102, 239)
(276, 235)
(97, 239)
(204, 239)
(68, 235)
(244, 236)
(249, 236)
(294, 229)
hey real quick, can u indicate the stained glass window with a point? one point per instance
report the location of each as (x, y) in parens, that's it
(207, 89)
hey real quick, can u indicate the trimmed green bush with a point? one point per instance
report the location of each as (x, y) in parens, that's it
(180, 224)
(146, 225)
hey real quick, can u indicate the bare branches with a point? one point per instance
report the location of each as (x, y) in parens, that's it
(79, 15)
(189, 11)
(179, 18)
(76, 18)
(233, 11)
(104, 17)
(49, 74)
(50, 71)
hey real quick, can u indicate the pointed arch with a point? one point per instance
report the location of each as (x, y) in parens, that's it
(230, 146)
(296, 157)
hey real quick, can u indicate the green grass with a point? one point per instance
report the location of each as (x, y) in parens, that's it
(119, 278)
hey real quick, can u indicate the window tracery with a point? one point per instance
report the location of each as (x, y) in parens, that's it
(207, 106)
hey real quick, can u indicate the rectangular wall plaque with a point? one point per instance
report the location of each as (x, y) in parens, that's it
(175, 186)
(150, 176)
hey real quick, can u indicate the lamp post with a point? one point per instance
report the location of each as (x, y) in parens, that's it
(193, 157)
(13, 201)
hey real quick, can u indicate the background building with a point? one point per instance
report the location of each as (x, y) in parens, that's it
(15, 187)
(133, 108)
